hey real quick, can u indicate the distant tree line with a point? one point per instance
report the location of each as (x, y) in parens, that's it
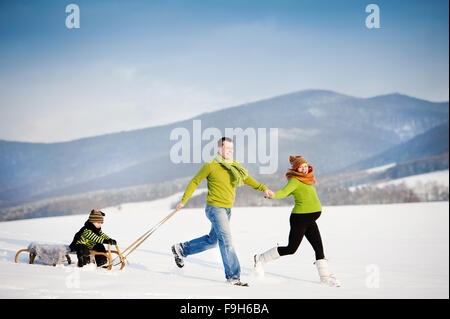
(328, 191)
(341, 195)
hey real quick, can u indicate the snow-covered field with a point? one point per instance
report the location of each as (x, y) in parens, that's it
(421, 183)
(380, 169)
(438, 177)
(377, 251)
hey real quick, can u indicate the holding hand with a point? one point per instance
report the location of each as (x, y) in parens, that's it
(269, 193)
(179, 206)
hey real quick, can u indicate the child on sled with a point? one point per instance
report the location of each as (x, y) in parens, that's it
(91, 237)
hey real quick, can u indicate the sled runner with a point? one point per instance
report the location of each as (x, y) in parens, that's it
(57, 254)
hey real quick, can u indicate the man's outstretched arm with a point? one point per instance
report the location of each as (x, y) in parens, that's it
(192, 186)
(258, 186)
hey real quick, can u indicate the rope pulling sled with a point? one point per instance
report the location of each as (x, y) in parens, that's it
(55, 254)
(144, 237)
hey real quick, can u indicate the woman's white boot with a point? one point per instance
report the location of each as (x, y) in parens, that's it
(261, 259)
(264, 258)
(325, 276)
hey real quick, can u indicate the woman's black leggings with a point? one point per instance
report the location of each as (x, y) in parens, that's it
(303, 225)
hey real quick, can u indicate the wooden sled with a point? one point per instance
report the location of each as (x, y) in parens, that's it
(108, 255)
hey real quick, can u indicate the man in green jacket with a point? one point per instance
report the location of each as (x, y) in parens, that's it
(223, 175)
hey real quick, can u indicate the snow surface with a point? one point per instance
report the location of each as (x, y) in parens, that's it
(420, 183)
(439, 177)
(380, 169)
(376, 251)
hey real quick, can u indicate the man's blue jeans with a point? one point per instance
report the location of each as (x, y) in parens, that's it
(220, 232)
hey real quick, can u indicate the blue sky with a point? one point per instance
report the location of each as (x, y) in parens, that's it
(134, 64)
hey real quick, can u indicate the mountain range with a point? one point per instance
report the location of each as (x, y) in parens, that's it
(335, 132)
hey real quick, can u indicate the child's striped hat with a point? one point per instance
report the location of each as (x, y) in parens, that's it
(96, 216)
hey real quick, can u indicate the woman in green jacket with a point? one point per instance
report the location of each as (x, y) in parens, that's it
(303, 218)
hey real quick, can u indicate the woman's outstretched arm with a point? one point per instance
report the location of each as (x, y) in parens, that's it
(286, 190)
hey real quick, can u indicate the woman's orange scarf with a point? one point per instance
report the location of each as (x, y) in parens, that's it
(302, 177)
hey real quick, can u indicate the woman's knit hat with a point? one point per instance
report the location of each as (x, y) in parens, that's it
(296, 161)
(96, 216)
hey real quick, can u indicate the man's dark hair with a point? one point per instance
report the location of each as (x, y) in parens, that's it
(223, 139)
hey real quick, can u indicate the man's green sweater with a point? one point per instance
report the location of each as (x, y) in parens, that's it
(220, 191)
(305, 197)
